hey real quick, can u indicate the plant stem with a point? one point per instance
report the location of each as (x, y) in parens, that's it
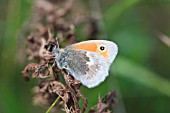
(52, 105)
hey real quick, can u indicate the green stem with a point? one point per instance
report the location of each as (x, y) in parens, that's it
(52, 105)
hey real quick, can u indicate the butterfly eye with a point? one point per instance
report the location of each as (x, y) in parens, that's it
(102, 48)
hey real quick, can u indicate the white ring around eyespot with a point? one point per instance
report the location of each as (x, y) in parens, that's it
(103, 46)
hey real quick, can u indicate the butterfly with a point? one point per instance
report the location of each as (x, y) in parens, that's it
(87, 61)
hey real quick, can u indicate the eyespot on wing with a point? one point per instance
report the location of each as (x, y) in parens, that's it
(94, 46)
(91, 46)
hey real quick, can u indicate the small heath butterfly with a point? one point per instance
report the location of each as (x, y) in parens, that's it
(87, 61)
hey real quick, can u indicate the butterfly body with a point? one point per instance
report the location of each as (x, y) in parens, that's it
(87, 61)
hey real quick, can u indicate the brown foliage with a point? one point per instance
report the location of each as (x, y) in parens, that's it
(50, 20)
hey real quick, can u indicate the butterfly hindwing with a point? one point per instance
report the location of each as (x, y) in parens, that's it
(87, 67)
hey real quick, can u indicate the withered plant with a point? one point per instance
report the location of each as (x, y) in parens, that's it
(53, 19)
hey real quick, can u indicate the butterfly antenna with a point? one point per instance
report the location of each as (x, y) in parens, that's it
(53, 64)
(57, 40)
(50, 34)
(56, 45)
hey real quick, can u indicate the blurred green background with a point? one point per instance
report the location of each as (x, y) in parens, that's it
(140, 74)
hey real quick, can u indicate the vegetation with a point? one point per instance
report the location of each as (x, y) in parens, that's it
(139, 74)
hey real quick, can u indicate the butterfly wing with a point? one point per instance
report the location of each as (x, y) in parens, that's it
(88, 66)
(98, 70)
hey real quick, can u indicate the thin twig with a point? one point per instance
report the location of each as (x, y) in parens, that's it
(72, 91)
(85, 101)
(52, 105)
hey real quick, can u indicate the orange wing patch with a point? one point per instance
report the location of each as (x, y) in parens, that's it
(86, 46)
(93, 47)
(105, 54)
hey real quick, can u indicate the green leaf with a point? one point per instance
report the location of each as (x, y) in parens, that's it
(136, 73)
(115, 11)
